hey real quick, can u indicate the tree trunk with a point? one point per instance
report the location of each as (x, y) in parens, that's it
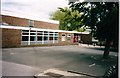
(107, 48)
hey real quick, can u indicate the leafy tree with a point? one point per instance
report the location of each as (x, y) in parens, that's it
(102, 18)
(69, 20)
(57, 15)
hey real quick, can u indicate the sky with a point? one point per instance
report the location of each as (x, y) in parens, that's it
(39, 8)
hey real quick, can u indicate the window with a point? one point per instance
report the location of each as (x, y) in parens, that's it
(32, 38)
(25, 38)
(50, 38)
(39, 32)
(56, 38)
(56, 34)
(45, 33)
(45, 38)
(32, 33)
(31, 23)
(63, 34)
(51, 34)
(68, 37)
(25, 31)
(39, 38)
(28, 38)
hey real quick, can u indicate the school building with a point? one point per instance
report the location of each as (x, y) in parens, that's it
(18, 31)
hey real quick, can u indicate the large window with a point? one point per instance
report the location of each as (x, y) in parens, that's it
(39, 37)
(56, 37)
(45, 37)
(31, 37)
(25, 37)
(50, 38)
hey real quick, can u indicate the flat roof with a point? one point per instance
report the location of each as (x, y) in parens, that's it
(40, 29)
(27, 16)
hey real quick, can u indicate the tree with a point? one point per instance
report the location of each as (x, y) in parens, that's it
(69, 20)
(102, 18)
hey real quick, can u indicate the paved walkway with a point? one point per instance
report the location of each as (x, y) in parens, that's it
(29, 61)
(13, 69)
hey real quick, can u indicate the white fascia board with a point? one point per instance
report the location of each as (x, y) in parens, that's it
(14, 27)
(39, 29)
(85, 32)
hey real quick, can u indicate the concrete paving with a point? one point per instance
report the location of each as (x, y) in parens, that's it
(13, 69)
(28, 61)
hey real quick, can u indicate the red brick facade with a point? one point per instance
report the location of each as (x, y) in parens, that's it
(11, 38)
(15, 21)
(46, 25)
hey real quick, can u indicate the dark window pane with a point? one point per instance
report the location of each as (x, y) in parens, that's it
(51, 32)
(39, 38)
(45, 38)
(32, 33)
(56, 34)
(56, 38)
(25, 33)
(25, 30)
(50, 38)
(25, 38)
(46, 35)
(32, 38)
(68, 35)
(45, 32)
(51, 35)
(63, 34)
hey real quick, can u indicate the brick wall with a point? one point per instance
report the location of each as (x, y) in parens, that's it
(66, 42)
(86, 38)
(46, 25)
(15, 21)
(11, 38)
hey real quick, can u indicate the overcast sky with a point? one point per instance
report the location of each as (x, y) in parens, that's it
(40, 8)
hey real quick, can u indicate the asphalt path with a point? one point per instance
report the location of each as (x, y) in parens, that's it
(28, 61)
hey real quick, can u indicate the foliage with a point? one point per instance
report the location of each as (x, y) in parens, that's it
(69, 20)
(102, 18)
(57, 15)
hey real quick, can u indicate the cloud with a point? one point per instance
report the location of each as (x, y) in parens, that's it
(41, 8)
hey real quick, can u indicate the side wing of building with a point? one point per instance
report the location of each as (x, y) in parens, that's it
(18, 32)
